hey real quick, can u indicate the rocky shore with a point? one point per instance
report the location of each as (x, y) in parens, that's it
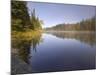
(18, 66)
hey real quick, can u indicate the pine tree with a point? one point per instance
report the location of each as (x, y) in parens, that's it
(20, 17)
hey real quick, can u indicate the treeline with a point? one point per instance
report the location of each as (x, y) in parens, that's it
(20, 18)
(84, 25)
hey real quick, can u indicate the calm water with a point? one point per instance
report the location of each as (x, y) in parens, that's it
(60, 51)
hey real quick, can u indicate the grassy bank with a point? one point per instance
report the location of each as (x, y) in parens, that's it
(18, 38)
(25, 34)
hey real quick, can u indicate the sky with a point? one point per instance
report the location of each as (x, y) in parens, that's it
(53, 13)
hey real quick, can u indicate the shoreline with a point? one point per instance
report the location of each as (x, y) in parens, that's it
(70, 32)
(18, 66)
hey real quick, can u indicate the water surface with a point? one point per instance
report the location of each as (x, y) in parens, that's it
(63, 51)
(59, 51)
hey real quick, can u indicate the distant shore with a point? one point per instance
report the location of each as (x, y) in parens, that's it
(71, 31)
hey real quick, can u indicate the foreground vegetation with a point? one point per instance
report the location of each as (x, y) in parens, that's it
(21, 20)
(21, 42)
(25, 28)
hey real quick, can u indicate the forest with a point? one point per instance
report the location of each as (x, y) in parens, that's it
(22, 21)
(84, 25)
(20, 18)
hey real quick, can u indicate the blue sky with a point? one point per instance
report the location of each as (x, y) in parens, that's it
(53, 14)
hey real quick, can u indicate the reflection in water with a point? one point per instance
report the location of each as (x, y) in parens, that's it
(58, 53)
(61, 52)
(23, 46)
(86, 37)
(35, 42)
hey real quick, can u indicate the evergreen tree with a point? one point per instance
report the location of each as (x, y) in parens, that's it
(36, 23)
(19, 15)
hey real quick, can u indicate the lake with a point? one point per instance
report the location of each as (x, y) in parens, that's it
(60, 51)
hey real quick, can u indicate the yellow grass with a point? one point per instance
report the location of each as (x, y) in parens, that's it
(28, 35)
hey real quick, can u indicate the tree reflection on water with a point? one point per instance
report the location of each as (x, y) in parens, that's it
(25, 45)
(22, 45)
(86, 37)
